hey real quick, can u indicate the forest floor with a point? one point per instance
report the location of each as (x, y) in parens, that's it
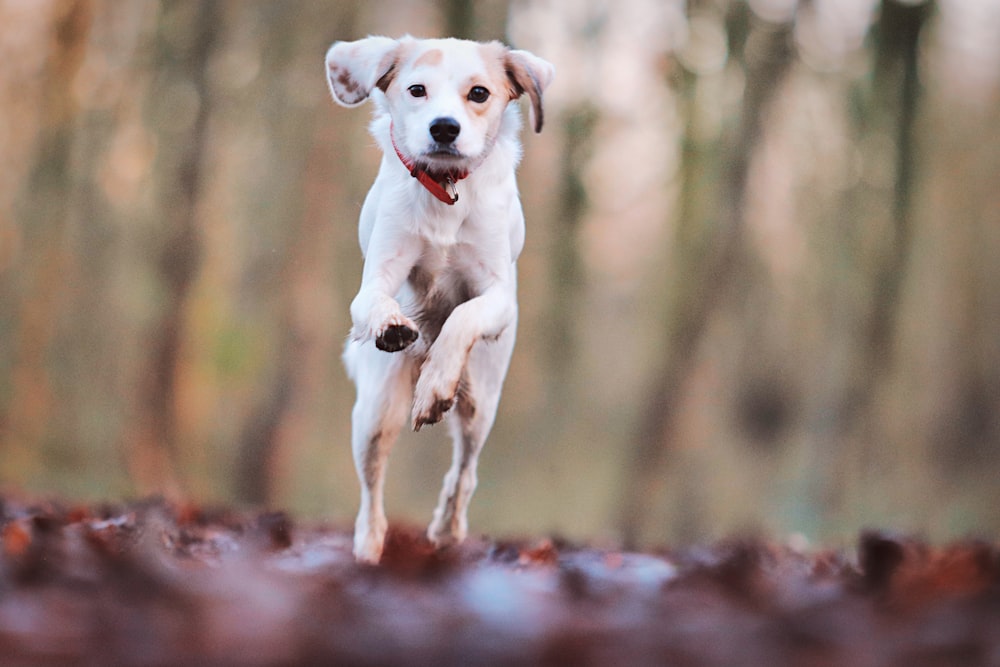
(151, 583)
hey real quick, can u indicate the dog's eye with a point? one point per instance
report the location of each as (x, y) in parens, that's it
(478, 94)
(416, 90)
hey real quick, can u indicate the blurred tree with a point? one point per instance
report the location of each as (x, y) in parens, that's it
(459, 18)
(183, 45)
(38, 288)
(562, 345)
(889, 105)
(480, 21)
(707, 259)
(895, 102)
(299, 225)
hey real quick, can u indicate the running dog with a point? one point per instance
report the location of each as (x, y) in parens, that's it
(440, 230)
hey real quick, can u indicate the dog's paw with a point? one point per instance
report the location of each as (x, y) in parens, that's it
(369, 541)
(396, 337)
(446, 534)
(432, 399)
(381, 319)
(433, 413)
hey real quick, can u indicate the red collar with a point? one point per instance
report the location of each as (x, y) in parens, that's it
(443, 190)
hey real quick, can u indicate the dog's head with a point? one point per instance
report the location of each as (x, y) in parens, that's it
(446, 97)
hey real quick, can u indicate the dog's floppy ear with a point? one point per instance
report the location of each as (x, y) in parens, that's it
(529, 74)
(353, 69)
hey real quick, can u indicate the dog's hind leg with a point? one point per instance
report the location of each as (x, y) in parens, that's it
(384, 391)
(470, 422)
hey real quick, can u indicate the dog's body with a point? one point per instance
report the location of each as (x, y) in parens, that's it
(434, 320)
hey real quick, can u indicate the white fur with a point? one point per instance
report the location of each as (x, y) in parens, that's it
(446, 272)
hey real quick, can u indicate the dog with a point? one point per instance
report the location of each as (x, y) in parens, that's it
(434, 321)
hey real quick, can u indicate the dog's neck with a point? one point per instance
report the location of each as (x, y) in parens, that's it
(442, 187)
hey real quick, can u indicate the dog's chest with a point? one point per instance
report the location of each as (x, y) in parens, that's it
(440, 281)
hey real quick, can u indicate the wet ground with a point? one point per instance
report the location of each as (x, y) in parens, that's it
(151, 583)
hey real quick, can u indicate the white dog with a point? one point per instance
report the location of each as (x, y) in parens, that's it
(441, 229)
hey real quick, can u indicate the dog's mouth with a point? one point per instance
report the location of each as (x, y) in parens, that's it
(443, 161)
(444, 152)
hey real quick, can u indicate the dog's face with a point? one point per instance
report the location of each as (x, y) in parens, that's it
(446, 97)
(446, 100)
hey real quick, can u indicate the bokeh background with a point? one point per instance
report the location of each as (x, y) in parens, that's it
(761, 287)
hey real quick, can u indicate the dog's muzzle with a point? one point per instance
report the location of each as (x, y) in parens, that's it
(441, 186)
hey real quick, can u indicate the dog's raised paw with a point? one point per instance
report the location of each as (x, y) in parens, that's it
(434, 414)
(396, 337)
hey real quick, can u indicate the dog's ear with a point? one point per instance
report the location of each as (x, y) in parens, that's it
(529, 74)
(353, 69)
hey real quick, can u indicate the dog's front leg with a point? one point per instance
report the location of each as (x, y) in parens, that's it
(485, 316)
(374, 311)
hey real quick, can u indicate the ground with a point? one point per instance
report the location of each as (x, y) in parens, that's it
(153, 583)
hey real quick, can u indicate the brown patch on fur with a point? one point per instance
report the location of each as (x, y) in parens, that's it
(436, 300)
(494, 56)
(391, 64)
(483, 109)
(370, 465)
(345, 84)
(386, 79)
(431, 58)
(465, 406)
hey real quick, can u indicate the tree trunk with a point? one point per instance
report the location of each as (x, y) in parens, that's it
(153, 448)
(706, 274)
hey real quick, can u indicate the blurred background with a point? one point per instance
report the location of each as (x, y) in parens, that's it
(760, 292)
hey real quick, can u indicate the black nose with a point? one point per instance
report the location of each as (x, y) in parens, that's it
(445, 130)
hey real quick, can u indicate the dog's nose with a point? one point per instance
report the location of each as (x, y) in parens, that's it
(445, 130)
